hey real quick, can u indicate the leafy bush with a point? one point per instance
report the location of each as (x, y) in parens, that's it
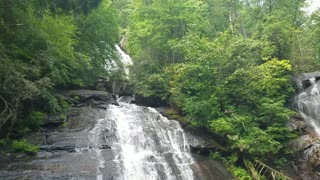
(24, 146)
(240, 173)
(35, 120)
(20, 131)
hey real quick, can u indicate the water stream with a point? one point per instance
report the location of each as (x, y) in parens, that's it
(308, 103)
(149, 145)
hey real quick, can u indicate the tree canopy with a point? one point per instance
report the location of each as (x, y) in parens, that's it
(50, 45)
(226, 65)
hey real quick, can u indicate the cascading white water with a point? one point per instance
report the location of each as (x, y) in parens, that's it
(94, 135)
(308, 103)
(151, 147)
(125, 59)
(148, 146)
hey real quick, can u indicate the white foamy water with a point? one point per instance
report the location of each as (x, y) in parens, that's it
(94, 137)
(125, 59)
(308, 103)
(151, 147)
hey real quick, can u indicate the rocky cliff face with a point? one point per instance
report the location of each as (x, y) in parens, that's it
(307, 146)
(306, 160)
(83, 146)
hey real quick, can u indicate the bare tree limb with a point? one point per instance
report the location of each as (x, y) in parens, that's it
(5, 104)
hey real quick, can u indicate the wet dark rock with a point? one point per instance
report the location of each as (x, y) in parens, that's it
(66, 152)
(126, 99)
(210, 169)
(122, 88)
(126, 90)
(151, 101)
(104, 146)
(102, 106)
(103, 84)
(69, 148)
(201, 141)
(55, 120)
(316, 168)
(307, 156)
(90, 97)
(44, 154)
(297, 123)
(302, 80)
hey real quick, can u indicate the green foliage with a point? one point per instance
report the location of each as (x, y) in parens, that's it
(208, 86)
(217, 156)
(48, 102)
(155, 84)
(98, 34)
(240, 173)
(225, 65)
(35, 120)
(223, 127)
(24, 146)
(50, 45)
(63, 103)
(19, 132)
(76, 98)
(229, 80)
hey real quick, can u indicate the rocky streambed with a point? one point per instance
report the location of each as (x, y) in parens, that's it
(85, 145)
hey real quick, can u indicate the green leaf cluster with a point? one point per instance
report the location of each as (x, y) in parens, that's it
(25, 147)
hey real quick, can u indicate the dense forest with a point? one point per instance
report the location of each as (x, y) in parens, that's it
(47, 47)
(225, 65)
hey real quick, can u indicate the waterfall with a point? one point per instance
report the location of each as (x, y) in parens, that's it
(308, 102)
(149, 145)
(126, 62)
(125, 59)
(108, 140)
